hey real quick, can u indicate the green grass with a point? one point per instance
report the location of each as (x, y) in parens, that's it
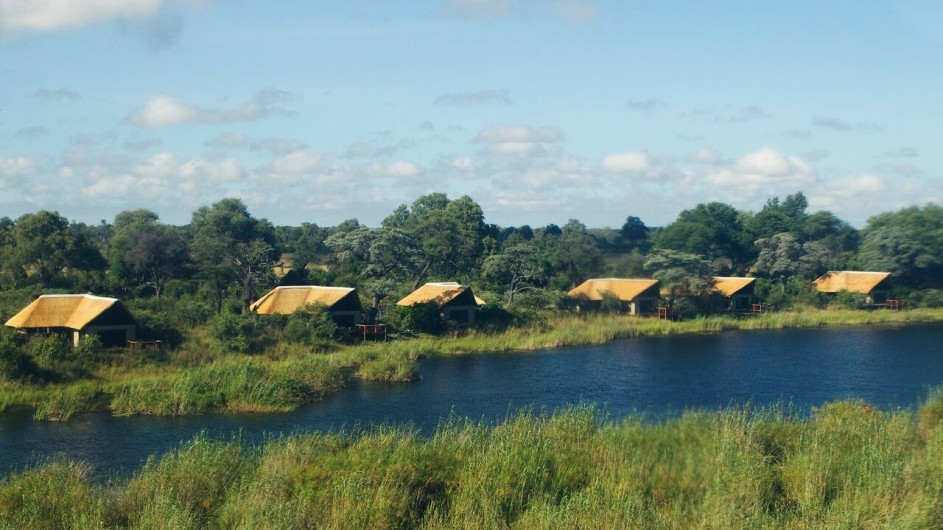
(200, 377)
(845, 466)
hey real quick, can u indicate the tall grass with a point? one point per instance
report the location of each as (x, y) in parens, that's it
(847, 465)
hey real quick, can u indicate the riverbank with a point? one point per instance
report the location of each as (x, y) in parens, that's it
(846, 466)
(286, 377)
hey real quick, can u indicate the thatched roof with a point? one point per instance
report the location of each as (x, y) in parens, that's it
(288, 299)
(625, 289)
(73, 311)
(854, 281)
(729, 286)
(440, 292)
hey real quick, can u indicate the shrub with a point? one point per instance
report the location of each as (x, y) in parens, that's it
(234, 331)
(418, 318)
(49, 350)
(14, 362)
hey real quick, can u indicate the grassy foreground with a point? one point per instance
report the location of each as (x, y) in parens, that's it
(846, 466)
(198, 379)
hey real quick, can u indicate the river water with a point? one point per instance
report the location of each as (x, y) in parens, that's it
(889, 367)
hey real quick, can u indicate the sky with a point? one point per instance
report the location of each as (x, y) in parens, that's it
(540, 110)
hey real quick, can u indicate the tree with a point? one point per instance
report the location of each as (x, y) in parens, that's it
(450, 234)
(157, 255)
(44, 244)
(229, 245)
(518, 267)
(682, 274)
(573, 253)
(712, 230)
(634, 233)
(908, 243)
(384, 256)
(777, 217)
(782, 256)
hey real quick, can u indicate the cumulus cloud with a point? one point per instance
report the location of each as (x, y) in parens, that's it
(398, 169)
(572, 11)
(298, 163)
(512, 140)
(764, 169)
(162, 110)
(629, 162)
(163, 173)
(481, 97)
(50, 15)
(11, 168)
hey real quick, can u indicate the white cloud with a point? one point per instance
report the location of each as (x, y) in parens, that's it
(511, 140)
(230, 140)
(762, 167)
(49, 15)
(15, 167)
(399, 169)
(162, 110)
(856, 185)
(629, 162)
(298, 163)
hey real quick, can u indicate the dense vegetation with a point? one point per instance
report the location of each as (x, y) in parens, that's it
(846, 466)
(190, 286)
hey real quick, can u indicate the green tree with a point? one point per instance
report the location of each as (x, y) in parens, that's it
(713, 231)
(518, 268)
(683, 274)
(144, 251)
(908, 243)
(229, 246)
(44, 244)
(450, 234)
(574, 253)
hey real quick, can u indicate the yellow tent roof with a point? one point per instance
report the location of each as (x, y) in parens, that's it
(440, 292)
(854, 281)
(73, 311)
(288, 299)
(625, 289)
(729, 286)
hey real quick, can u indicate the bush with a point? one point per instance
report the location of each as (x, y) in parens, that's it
(160, 326)
(14, 362)
(50, 350)
(311, 324)
(234, 331)
(418, 318)
(849, 300)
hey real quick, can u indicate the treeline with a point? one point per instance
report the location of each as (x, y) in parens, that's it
(226, 257)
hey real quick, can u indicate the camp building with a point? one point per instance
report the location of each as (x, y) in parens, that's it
(736, 293)
(75, 315)
(455, 301)
(636, 296)
(342, 303)
(873, 285)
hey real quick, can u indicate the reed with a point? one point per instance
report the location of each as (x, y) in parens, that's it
(847, 465)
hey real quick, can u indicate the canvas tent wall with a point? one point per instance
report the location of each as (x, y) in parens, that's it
(342, 303)
(736, 293)
(873, 285)
(637, 296)
(456, 302)
(75, 315)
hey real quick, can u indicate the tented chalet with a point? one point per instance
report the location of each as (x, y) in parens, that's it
(873, 285)
(342, 303)
(77, 315)
(636, 296)
(456, 302)
(736, 293)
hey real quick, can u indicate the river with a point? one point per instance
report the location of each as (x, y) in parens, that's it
(888, 366)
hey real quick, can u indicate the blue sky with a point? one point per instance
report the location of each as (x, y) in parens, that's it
(540, 110)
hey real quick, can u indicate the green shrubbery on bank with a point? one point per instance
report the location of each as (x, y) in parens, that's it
(847, 465)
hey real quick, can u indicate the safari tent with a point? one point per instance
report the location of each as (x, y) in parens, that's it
(636, 296)
(342, 303)
(456, 302)
(77, 315)
(736, 293)
(873, 285)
